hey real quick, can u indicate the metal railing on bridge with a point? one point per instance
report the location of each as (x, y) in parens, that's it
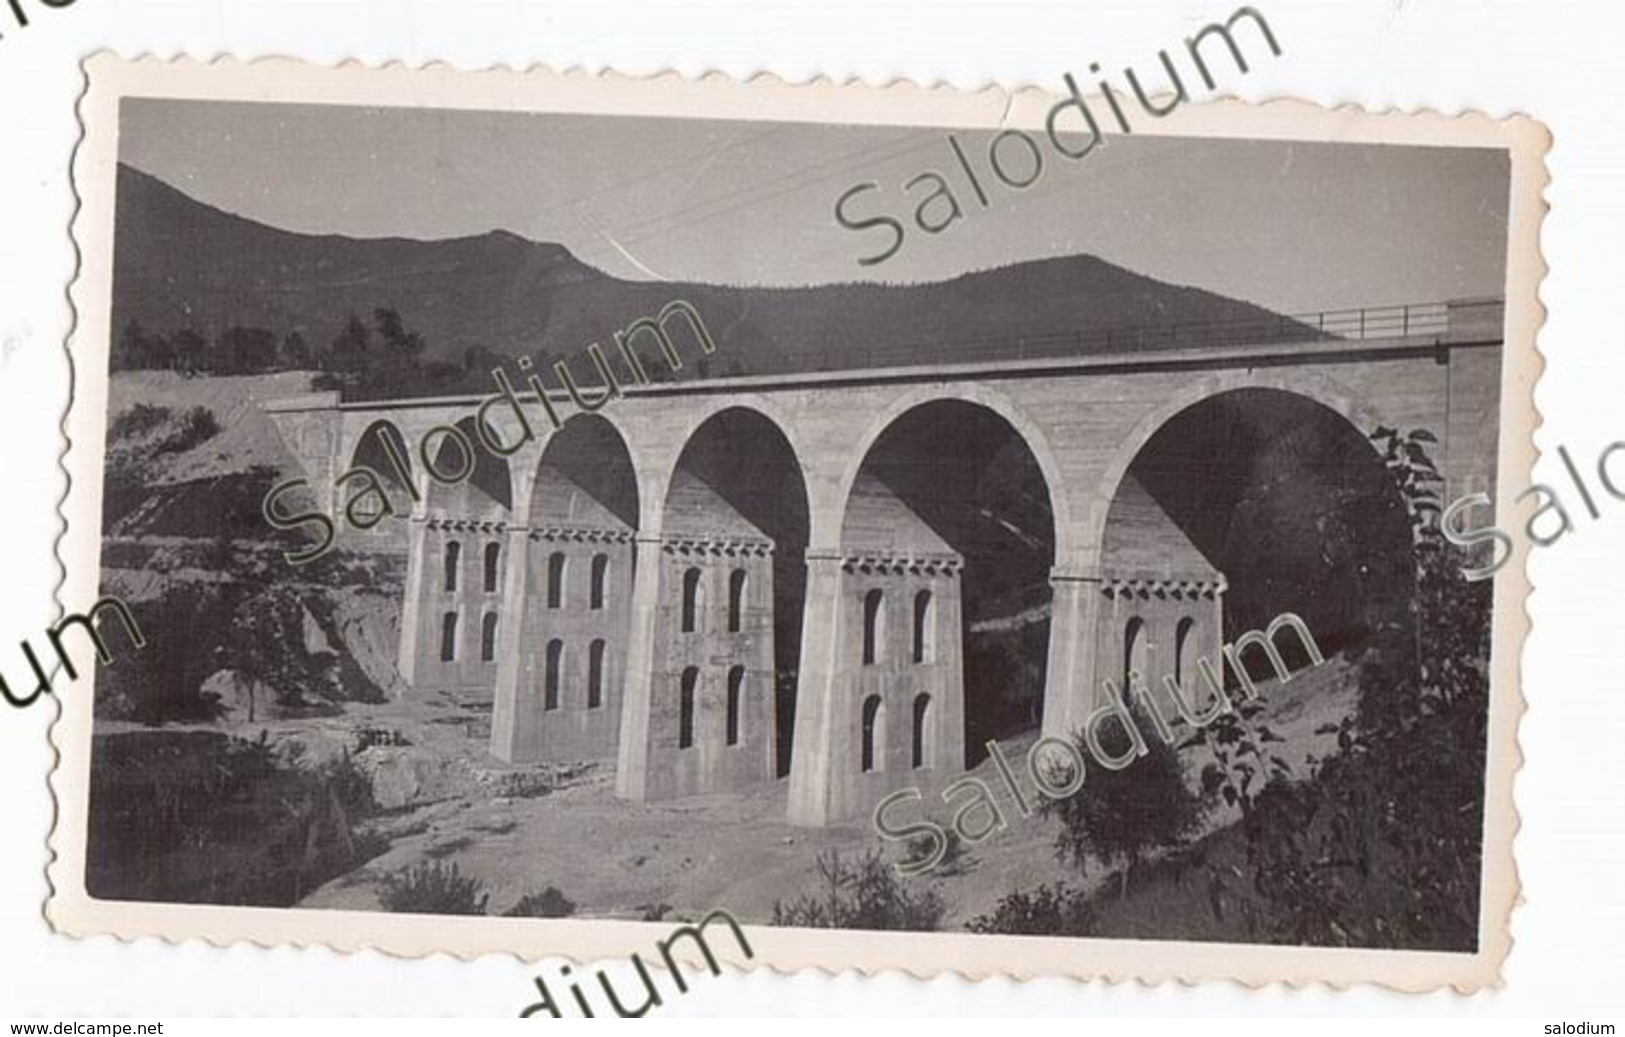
(1372, 322)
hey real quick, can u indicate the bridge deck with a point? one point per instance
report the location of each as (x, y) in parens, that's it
(1329, 336)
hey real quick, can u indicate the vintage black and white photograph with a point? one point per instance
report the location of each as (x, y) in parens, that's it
(1076, 526)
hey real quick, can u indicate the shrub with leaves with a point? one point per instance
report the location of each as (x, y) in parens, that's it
(1381, 845)
(864, 895)
(1240, 769)
(955, 860)
(1058, 910)
(200, 817)
(432, 888)
(549, 903)
(143, 417)
(197, 426)
(1119, 817)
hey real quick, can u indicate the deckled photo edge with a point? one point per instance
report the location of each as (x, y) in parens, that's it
(111, 78)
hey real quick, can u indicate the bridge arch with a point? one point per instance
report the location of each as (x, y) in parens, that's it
(734, 515)
(1031, 432)
(585, 478)
(371, 450)
(1362, 415)
(466, 482)
(1239, 500)
(949, 504)
(657, 451)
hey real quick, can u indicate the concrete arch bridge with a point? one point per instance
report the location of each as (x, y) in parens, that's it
(733, 581)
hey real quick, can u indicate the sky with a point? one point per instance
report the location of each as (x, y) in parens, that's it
(1295, 227)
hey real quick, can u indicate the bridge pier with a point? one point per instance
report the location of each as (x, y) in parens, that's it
(1070, 677)
(819, 742)
(881, 701)
(515, 724)
(637, 692)
(417, 537)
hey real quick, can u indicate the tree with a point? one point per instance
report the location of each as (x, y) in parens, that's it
(1381, 845)
(189, 351)
(398, 366)
(480, 361)
(402, 346)
(133, 351)
(296, 351)
(244, 350)
(349, 352)
(442, 374)
(1121, 816)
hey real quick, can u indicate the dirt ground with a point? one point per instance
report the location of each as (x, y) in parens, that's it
(735, 851)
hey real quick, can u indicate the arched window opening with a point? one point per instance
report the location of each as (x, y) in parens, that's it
(488, 638)
(736, 601)
(448, 638)
(736, 691)
(595, 674)
(872, 619)
(693, 600)
(555, 674)
(1182, 648)
(925, 646)
(493, 562)
(454, 557)
(685, 717)
(1133, 648)
(600, 577)
(555, 580)
(919, 755)
(873, 733)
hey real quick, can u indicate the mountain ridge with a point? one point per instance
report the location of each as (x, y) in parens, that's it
(181, 263)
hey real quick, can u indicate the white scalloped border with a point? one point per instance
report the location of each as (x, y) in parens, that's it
(71, 911)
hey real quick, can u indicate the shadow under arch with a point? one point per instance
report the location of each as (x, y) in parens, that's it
(1031, 433)
(1360, 414)
(655, 465)
(951, 476)
(580, 566)
(370, 451)
(738, 472)
(1279, 493)
(483, 494)
(585, 477)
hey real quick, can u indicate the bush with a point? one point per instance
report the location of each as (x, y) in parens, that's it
(1120, 816)
(432, 888)
(197, 426)
(203, 818)
(549, 903)
(955, 861)
(1058, 910)
(1382, 845)
(865, 895)
(138, 419)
